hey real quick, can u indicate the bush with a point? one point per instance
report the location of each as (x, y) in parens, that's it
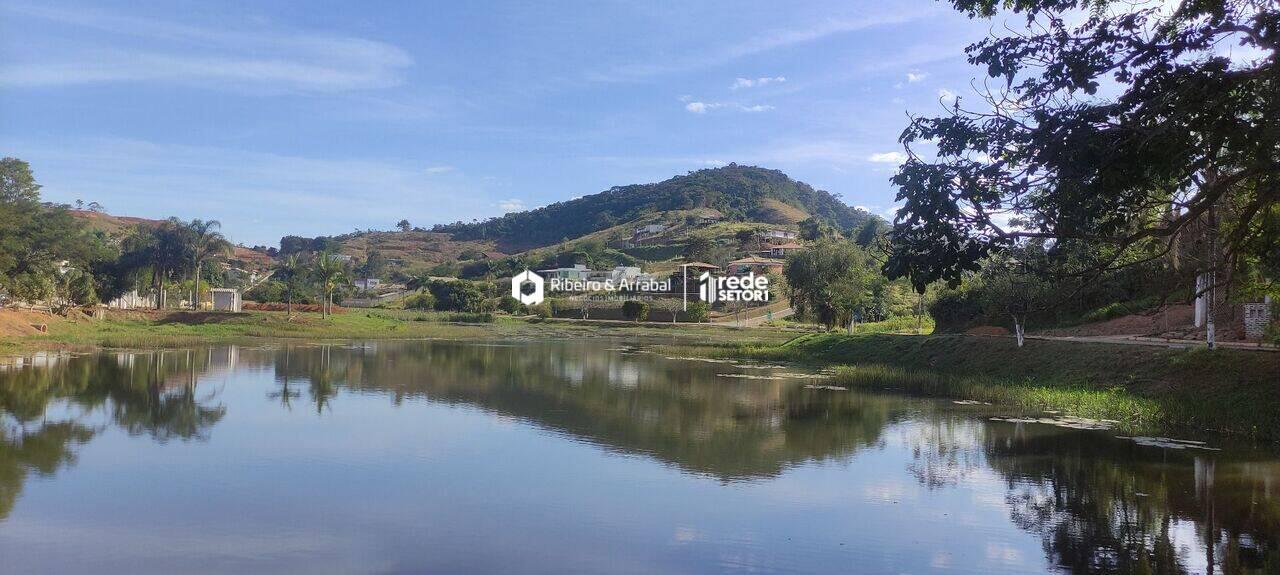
(542, 310)
(420, 301)
(510, 305)
(635, 310)
(956, 310)
(697, 311)
(459, 295)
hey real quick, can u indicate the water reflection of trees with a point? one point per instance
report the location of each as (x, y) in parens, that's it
(48, 409)
(1105, 505)
(677, 411)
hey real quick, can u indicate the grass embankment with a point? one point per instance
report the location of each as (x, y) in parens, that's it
(1227, 391)
(149, 329)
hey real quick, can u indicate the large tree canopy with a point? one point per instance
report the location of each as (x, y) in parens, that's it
(1124, 126)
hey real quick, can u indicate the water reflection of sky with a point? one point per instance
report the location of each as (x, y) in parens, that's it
(400, 459)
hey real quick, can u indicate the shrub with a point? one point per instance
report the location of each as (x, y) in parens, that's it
(420, 301)
(635, 310)
(696, 312)
(542, 310)
(510, 305)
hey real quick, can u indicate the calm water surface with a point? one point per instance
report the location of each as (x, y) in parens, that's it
(575, 457)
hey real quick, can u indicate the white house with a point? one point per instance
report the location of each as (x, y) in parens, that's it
(778, 233)
(367, 283)
(225, 299)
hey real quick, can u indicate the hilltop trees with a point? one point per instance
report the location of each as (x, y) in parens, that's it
(1128, 139)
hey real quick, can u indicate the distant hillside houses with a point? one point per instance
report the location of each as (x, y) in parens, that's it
(581, 272)
(779, 233)
(781, 250)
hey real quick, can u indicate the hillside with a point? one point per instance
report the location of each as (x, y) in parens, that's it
(117, 227)
(741, 193)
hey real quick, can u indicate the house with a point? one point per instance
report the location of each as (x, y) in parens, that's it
(650, 230)
(781, 250)
(225, 299)
(577, 272)
(757, 265)
(778, 234)
(367, 283)
(615, 275)
(708, 216)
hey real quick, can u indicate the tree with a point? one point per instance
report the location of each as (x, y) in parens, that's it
(814, 229)
(375, 265)
(697, 311)
(698, 248)
(17, 184)
(292, 273)
(1129, 133)
(828, 282)
(404, 225)
(328, 274)
(1012, 285)
(205, 241)
(635, 310)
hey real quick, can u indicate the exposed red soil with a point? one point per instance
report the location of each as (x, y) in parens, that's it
(987, 330)
(1172, 318)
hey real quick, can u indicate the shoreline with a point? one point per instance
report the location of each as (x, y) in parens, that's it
(1233, 392)
(1223, 391)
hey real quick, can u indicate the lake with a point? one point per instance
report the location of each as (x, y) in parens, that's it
(583, 456)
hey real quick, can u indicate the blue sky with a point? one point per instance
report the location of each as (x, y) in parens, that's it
(330, 116)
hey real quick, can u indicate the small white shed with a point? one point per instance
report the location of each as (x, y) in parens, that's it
(225, 299)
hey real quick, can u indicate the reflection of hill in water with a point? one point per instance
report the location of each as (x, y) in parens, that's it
(679, 412)
(1098, 504)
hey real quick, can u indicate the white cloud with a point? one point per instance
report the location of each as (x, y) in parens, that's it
(947, 96)
(752, 83)
(511, 205)
(914, 77)
(439, 169)
(252, 57)
(699, 107)
(887, 158)
(704, 107)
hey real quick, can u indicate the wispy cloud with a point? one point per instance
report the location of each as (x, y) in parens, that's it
(255, 57)
(887, 158)
(439, 169)
(758, 44)
(947, 96)
(740, 83)
(914, 77)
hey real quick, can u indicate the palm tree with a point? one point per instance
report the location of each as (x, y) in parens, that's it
(165, 249)
(290, 270)
(329, 273)
(206, 241)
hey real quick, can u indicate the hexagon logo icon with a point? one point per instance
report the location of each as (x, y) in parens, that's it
(527, 278)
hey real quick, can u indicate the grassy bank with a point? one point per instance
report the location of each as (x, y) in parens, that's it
(1141, 387)
(147, 329)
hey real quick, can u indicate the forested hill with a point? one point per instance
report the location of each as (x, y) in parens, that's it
(745, 193)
